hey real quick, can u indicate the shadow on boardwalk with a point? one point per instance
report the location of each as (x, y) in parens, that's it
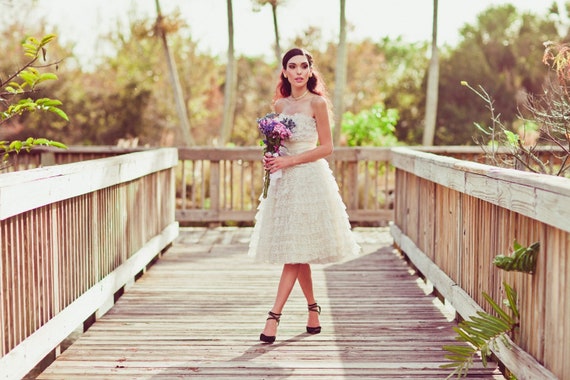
(198, 312)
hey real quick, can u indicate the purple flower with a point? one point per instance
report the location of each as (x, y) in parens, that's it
(275, 130)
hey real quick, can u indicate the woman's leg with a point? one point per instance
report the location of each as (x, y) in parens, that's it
(306, 282)
(288, 277)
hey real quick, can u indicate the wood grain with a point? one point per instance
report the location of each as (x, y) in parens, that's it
(199, 311)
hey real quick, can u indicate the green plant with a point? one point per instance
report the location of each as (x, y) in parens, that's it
(547, 122)
(503, 147)
(375, 127)
(522, 259)
(480, 333)
(15, 98)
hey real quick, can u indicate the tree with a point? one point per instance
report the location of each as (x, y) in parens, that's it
(161, 27)
(340, 75)
(16, 91)
(274, 4)
(231, 82)
(432, 84)
(501, 52)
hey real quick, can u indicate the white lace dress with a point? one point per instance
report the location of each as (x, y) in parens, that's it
(303, 218)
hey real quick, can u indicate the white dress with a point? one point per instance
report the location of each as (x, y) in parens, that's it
(303, 219)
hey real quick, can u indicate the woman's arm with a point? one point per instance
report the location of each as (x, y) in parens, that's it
(320, 110)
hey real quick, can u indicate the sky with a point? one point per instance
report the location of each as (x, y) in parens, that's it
(82, 22)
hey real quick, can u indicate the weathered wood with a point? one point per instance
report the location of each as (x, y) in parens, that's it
(460, 215)
(199, 311)
(67, 181)
(512, 356)
(542, 197)
(67, 247)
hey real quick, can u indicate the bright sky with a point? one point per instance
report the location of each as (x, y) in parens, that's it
(84, 21)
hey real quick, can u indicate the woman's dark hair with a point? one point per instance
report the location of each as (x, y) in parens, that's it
(314, 84)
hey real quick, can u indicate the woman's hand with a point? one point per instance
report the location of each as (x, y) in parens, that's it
(275, 163)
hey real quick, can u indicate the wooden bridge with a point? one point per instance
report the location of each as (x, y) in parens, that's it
(199, 310)
(96, 246)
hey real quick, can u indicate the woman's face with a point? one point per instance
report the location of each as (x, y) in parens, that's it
(297, 71)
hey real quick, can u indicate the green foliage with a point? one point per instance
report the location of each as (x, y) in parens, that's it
(502, 50)
(373, 127)
(520, 153)
(128, 93)
(522, 259)
(25, 81)
(21, 84)
(481, 333)
(16, 146)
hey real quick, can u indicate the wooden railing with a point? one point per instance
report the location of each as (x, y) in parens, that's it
(86, 229)
(222, 185)
(72, 237)
(452, 217)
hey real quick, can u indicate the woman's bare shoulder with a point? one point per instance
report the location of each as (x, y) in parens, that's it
(279, 105)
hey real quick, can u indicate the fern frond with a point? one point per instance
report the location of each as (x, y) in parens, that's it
(481, 332)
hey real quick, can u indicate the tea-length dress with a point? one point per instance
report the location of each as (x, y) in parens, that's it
(303, 219)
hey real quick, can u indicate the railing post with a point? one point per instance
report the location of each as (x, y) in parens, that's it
(215, 187)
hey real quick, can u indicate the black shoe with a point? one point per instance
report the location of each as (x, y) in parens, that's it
(316, 308)
(270, 339)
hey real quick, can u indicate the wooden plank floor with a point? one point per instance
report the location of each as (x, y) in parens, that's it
(199, 310)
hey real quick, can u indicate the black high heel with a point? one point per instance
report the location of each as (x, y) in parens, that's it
(266, 338)
(314, 330)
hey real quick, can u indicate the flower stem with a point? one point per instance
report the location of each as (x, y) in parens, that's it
(266, 184)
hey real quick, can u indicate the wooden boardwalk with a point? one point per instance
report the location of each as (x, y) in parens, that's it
(198, 312)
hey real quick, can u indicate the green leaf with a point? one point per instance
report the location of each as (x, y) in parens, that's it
(15, 145)
(46, 76)
(512, 138)
(47, 39)
(41, 141)
(57, 144)
(28, 77)
(59, 112)
(489, 327)
(461, 350)
(512, 299)
(47, 102)
(507, 318)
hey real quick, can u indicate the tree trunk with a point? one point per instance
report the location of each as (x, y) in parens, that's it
(175, 81)
(231, 83)
(340, 76)
(432, 86)
(276, 29)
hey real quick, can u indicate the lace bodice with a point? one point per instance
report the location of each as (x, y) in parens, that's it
(304, 135)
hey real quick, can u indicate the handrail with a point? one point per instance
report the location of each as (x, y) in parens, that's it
(224, 184)
(72, 237)
(87, 228)
(452, 217)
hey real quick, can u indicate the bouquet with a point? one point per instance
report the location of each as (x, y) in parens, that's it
(275, 130)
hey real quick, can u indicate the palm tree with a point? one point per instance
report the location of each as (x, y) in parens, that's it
(174, 79)
(432, 85)
(231, 82)
(340, 75)
(274, 4)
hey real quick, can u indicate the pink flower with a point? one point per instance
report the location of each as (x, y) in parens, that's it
(276, 130)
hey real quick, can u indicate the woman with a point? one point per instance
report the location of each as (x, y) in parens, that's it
(303, 220)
